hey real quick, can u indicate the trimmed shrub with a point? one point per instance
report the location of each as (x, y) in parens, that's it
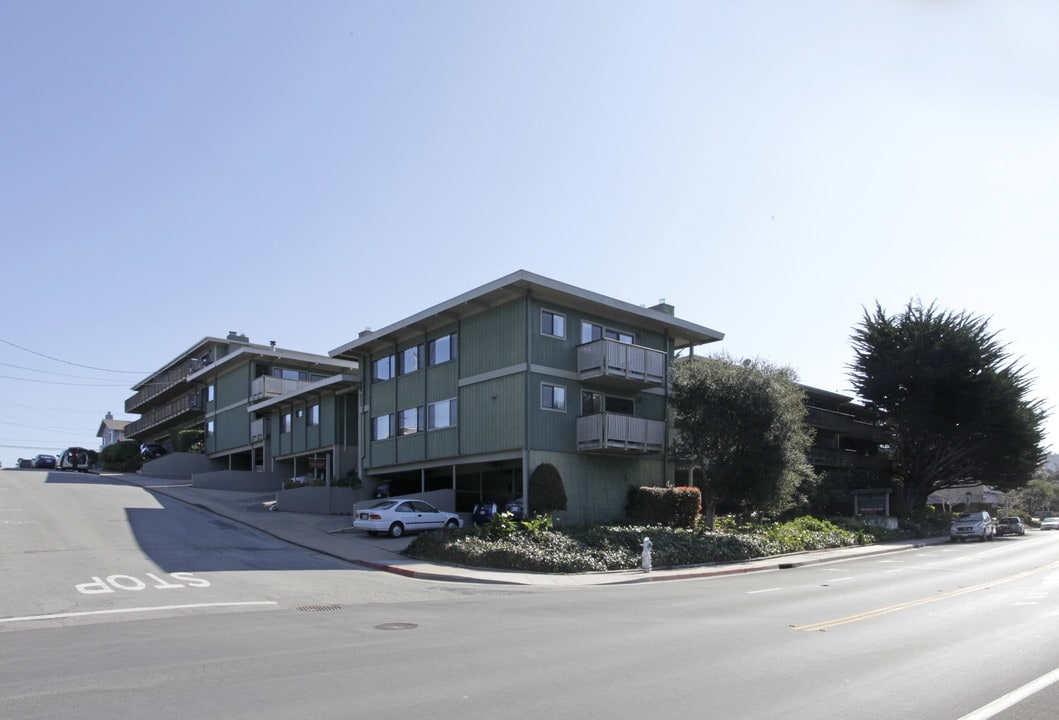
(672, 506)
(122, 456)
(189, 441)
(546, 490)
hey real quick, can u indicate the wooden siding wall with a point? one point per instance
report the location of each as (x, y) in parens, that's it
(492, 415)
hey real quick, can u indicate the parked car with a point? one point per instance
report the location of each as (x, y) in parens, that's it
(516, 507)
(397, 516)
(382, 491)
(972, 524)
(1010, 526)
(25, 462)
(150, 451)
(44, 461)
(74, 458)
(485, 511)
(1050, 523)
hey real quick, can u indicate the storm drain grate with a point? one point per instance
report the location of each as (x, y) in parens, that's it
(319, 608)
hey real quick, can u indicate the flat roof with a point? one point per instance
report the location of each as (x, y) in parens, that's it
(519, 284)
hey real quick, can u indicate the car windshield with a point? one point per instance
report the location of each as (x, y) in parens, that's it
(969, 516)
(1009, 521)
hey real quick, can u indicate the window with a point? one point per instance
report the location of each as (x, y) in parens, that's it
(553, 324)
(210, 392)
(553, 397)
(383, 368)
(380, 428)
(409, 421)
(442, 349)
(441, 414)
(620, 406)
(591, 403)
(285, 422)
(313, 416)
(410, 359)
(591, 331)
(210, 427)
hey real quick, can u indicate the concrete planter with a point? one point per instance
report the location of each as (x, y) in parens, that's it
(318, 500)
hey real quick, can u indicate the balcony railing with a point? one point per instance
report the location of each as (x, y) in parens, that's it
(257, 430)
(161, 384)
(184, 406)
(618, 363)
(845, 424)
(267, 386)
(611, 432)
(828, 457)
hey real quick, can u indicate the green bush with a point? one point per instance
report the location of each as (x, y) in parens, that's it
(510, 545)
(672, 506)
(546, 491)
(123, 456)
(190, 440)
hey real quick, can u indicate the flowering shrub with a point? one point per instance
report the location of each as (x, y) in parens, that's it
(509, 545)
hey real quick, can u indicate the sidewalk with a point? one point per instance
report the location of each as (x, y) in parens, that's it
(332, 535)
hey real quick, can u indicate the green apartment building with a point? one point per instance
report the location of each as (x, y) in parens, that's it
(474, 393)
(304, 408)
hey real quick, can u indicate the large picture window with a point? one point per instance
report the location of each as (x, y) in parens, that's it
(442, 349)
(441, 414)
(312, 416)
(553, 397)
(285, 422)
(591, 331)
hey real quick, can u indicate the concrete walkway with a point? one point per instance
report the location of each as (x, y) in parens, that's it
(333, 535)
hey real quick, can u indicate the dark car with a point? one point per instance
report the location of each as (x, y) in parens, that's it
(516, 507)
(74, 458)
(150, 451)
(1010, 526)
(485, 511)
(44, 461)
(25, 462)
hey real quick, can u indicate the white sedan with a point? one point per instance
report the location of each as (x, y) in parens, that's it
(1050, 523)
(396, 517)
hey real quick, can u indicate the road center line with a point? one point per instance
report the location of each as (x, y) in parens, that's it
(755, 592)
(878, 612)
(60, 616)
(1015, 696)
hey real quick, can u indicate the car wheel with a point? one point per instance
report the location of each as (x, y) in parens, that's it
(452, 524)
(396, 530)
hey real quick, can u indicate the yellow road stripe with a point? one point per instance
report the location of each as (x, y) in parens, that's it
(878, 612)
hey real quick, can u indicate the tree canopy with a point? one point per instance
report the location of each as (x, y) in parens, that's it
(955, 406)
(744, 426)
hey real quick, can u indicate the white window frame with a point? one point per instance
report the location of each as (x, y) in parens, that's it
(558, 404)
(557, 319)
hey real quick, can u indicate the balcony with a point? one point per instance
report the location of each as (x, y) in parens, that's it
(844, 424)
(620, 434)
(180, 409)
(267, 386)
(157, 386)
(257, 430)
(618, 364)
(828, 457)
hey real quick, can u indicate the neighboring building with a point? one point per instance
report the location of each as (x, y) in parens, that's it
(474, 393)
(311, 431)
(847, 436)
(111, 430)
(211, 385)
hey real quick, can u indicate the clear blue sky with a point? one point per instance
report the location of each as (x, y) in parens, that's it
(299, 171)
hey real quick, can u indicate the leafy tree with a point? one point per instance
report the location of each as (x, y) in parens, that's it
(954, 404)
(744, 427)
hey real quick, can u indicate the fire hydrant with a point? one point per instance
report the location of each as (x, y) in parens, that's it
(646, 554)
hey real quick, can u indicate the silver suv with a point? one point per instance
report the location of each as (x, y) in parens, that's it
(972, 524)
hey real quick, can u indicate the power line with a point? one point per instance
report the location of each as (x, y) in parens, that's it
(67, 362)
(59, 374)
(54, 382)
